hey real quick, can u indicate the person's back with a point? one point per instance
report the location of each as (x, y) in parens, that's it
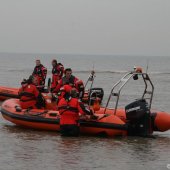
(69, 111)
(28, 94)
(69, 108)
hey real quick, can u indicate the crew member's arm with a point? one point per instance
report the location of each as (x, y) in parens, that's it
(54, 81)
(75, 81)
(44, 72)
(36, 91)
(34, 71)
(59, 85)
(61, 70)
(39, 98)
(84, 110)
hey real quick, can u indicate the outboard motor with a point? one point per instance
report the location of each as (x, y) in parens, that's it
(96, 93)
(139, 118)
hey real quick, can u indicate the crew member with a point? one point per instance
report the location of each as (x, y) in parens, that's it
(63, 90)
(80, 88)
(67, 79)
(40, 72)
(57, 73)
(69, 108)
(29, 95)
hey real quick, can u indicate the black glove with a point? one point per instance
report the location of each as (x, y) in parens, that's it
(89, 112)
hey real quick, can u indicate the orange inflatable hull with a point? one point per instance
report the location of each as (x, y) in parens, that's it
(108, 124)
(49, 120)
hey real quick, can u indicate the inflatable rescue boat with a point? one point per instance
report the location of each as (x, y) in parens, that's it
(136, 119)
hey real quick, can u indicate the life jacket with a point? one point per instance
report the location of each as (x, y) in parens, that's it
(40, 72)
(72, 80)
(57, 73)
(69, 111)
(28, 95)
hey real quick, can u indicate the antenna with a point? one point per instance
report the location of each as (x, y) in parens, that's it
(91, 77)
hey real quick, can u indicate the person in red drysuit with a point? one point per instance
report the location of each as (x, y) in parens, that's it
(57, 73)
(29, 95)
(40, 72)
(67, 79)
(69, 108)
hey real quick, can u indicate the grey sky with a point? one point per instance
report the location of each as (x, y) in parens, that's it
(124, 27)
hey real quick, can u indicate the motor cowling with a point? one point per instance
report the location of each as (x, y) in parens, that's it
(139, 118)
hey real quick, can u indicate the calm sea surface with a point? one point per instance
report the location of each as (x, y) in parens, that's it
(29, 149)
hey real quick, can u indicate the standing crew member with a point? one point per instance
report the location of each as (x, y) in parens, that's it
(29, 95)
(67, 79)
(69, 108)
(57, 73)
(40, 72)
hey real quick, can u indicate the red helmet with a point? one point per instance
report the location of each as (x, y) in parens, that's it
(66, 88)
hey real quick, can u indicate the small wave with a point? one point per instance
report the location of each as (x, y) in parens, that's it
(19, 70)
(159, 73)
(75, 71)
(88, 71)
(100, 71)
(118, 72)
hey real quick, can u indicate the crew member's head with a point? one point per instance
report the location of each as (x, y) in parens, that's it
(33, 80)
(54, 63)
(24, 83)
(38, 62)
(68, 72)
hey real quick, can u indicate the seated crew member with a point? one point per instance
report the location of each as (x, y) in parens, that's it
(67, 79)
(40, 72)
(29, 95)
(69, 108)
(57, 73)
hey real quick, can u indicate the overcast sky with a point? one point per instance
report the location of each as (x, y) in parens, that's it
(118, 27)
